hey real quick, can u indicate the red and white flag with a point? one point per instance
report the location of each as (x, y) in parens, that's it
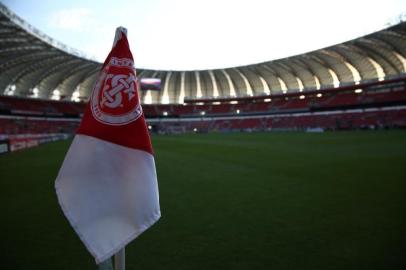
(107, 185)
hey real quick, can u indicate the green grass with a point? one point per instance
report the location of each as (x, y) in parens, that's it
(231, 201)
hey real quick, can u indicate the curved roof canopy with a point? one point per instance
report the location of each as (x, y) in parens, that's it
(33, 64)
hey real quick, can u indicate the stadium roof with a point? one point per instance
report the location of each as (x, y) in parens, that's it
(33, 64)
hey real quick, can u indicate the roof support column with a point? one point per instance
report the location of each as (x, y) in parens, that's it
(213, 80)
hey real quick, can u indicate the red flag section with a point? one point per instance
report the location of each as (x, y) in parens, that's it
(114, 112)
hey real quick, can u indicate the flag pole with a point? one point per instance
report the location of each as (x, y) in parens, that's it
(117, 36)
(119, 257)
(119, 260)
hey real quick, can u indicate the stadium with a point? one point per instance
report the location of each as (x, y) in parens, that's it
(294, 163)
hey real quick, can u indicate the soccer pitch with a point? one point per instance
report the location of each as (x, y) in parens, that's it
(231, 201)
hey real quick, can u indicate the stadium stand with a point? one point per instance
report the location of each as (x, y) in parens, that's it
(374, 105)
(354, 85)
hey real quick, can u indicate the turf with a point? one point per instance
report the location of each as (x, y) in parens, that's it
(231, 201)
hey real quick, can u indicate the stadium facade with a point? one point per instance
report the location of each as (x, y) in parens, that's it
(35, 65)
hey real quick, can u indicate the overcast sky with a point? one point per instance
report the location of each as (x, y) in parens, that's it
(205, 34)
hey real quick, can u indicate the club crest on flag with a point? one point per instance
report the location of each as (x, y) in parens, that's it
(114, 100)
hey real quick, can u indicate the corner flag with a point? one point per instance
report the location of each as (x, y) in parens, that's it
(107, 185)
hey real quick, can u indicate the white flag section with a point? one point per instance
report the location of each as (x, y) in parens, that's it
(108, 193)
(107, 185)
